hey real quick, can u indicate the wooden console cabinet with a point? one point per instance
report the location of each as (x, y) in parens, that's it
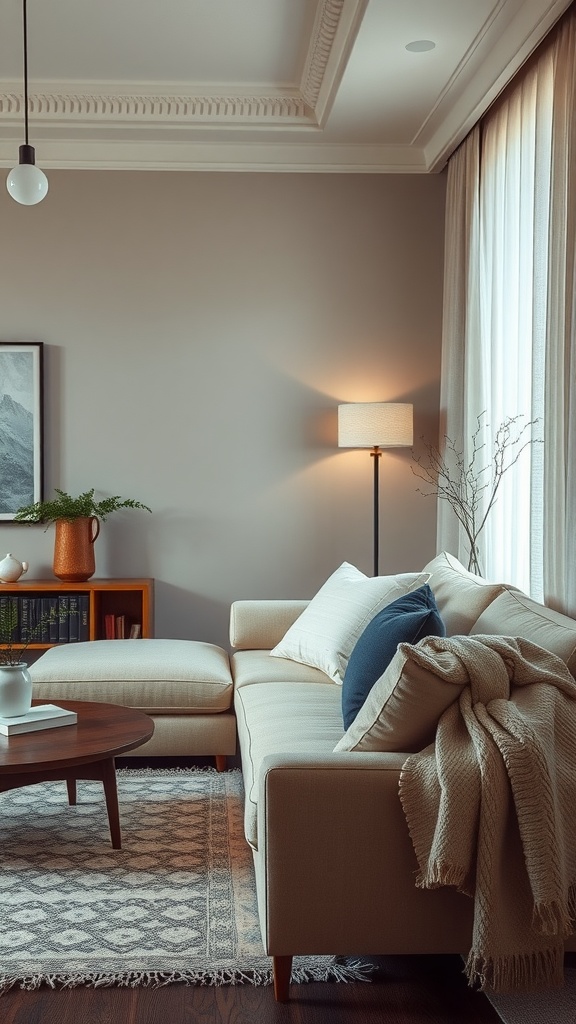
(126, 603)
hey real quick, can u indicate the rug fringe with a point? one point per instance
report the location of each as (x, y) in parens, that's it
(351, 970)
(134, 773)
(339, 969)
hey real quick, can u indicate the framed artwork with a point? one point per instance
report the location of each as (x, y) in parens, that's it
(21, 433)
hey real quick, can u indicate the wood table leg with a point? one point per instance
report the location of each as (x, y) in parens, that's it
(111, 794)
(220, 762)
(71, 787)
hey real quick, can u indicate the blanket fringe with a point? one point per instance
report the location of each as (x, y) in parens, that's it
(524, 972)
(439, 873)
(552, 918)
(337, 970)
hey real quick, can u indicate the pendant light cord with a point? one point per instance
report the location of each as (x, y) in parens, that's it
(26, 183)
(24, 19)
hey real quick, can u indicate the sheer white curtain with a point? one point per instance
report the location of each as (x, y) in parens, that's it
(509, 321)
(460, 317)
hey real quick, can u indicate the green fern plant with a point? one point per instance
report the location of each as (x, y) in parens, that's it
(64, 506)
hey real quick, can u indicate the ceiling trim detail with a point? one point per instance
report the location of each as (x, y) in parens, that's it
(328, 16)
(150, 155)
(335, 28)
(283, 124)
(74, 104)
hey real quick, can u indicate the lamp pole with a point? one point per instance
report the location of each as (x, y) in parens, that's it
(376, 455)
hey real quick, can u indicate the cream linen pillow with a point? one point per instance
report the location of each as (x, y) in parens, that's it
(326, 632)
(461, 596)
(401, 711)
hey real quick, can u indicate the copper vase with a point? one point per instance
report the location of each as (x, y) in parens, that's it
(74, 548)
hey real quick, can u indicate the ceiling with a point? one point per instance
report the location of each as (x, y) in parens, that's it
(258, 85)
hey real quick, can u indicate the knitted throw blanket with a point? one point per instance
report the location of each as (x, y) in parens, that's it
(491, 806)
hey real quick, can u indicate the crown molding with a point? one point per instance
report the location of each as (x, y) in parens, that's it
(57, 108)
(145, 155)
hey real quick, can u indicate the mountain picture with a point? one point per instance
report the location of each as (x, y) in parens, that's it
(20, 411)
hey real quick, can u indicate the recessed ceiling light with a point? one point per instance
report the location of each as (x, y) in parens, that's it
(420, 45)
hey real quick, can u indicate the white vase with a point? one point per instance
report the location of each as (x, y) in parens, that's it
(15, 690)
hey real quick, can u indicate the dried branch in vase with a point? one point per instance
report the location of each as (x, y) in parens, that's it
(470, 485)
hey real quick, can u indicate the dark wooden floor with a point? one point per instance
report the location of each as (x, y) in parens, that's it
(405, 990)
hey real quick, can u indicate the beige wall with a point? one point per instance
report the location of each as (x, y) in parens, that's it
(200, 331)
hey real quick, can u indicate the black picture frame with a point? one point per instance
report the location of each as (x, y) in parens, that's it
(21, 426)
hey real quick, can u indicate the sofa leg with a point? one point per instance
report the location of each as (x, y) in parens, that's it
(220, 762)
(282, 968)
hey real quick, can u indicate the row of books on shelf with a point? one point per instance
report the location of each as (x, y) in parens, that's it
(57, 619)
(50, 619)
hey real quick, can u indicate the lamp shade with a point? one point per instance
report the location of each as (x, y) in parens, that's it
(375, 425)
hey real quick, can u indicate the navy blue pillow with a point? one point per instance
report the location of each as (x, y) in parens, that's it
(407, 620)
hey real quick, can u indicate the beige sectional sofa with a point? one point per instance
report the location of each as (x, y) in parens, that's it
(335, 866)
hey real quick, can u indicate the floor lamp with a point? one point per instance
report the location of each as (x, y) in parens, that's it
(375, 425)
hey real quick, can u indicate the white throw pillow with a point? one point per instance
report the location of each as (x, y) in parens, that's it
(326, 632)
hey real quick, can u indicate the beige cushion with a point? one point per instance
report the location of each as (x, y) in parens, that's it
(152, 675)
(281, 718)
(256, 625)
(252, 667)
(515, 614)
(460, 595)
(403, 707)
(327, 630)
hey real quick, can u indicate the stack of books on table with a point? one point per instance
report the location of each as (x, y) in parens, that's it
(43, 716)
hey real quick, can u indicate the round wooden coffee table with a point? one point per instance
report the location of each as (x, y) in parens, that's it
(71, 752)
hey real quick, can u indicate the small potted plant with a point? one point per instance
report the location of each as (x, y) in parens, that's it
(15, 680)
(13, 646)
(77, 527)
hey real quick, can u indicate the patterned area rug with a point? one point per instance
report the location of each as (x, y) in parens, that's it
(176, 904)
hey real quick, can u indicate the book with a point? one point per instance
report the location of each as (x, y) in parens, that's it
(14, 613)
(45, 618)
(44, 716)
(120, 626)
(73, 619)
(35, 618)
(53, 624)
(6, 619)
(135, 631)
(24, 620)
(84, 603)
(63, 612)
(110, 626)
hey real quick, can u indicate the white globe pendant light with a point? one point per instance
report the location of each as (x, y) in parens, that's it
(26, 183)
